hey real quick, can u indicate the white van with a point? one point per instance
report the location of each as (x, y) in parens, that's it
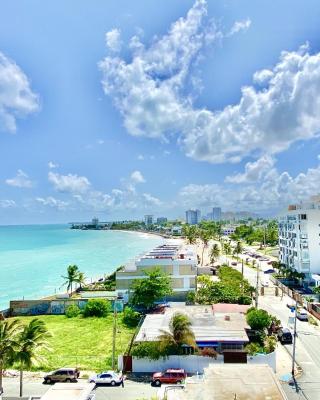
(70, 391)
(302, 314)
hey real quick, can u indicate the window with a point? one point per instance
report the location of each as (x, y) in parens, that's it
(303, 216)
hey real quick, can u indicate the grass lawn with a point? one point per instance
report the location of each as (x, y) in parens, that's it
(85, 343)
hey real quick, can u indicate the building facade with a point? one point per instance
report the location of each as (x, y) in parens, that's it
(216, 214)
(162, 220)
(299, 238)
(193, 217)
(148, 219)
(177, 261)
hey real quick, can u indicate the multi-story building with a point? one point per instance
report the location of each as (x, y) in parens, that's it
(148, 219)
(299, 237)
(162, 220)
(193, 217)
(176, 260)
(216, 214)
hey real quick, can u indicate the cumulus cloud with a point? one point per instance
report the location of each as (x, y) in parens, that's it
(52, 202)
(240, 26)
(137, 177)
(21, 180)
(151, 200)
(69, 183)
(254, 171)
(7, 203)
(16, 97)
(278, 109)
(52, 165)
(270, 192)
(113, 41)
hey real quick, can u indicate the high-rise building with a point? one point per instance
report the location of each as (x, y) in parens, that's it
(193, 217)
(148, 219)
(299, 237)
(216, 214)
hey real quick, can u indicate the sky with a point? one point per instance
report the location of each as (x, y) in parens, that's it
(118, 108)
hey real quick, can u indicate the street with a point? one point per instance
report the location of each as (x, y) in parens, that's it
(131, 391)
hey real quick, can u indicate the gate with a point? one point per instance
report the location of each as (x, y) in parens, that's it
(234, 357)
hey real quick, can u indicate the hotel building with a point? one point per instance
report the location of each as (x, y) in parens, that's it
(193, 217)
(177, 260)
(299, 237)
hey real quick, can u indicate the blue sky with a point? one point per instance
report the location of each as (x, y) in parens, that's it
(119, 108)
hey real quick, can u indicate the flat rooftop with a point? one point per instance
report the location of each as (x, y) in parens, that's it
(206, 325)
(232, 381)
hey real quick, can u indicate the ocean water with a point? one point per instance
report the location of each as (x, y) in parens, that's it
(34, 257)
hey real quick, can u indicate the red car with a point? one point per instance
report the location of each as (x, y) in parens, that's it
(169, 376)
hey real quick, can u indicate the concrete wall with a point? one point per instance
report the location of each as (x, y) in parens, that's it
(191, 363)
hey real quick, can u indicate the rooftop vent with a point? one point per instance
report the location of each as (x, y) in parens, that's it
(227, 317)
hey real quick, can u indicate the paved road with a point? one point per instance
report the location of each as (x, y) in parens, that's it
(131, 391)
(308, 339)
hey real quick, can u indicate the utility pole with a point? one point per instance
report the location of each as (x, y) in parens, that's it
(242, 267)
(294, 339)
(114, 334)
(257, 286)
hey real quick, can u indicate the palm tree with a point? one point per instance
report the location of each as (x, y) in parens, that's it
(238, 249)
(81, 279)
(204, 236)
(8, 344)
(214, 253)
(180, 333)
(72, 276)
(31, 339)
(190, 232)
(226, 249)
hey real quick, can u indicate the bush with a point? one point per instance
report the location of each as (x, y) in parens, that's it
(191, 297)
(208, 352)
(97, 308)
(254, 348)
(270, 344)
(258, 319)
(72, 311)
(150, 350)
(130, 317)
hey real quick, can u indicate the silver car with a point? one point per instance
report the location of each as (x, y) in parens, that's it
(107, 378)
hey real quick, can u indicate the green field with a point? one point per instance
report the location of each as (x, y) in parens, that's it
(85, 343)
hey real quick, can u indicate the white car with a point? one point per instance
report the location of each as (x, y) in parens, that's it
(302, 314)
(108, 377)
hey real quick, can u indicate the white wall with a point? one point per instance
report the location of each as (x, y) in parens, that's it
(191, 364)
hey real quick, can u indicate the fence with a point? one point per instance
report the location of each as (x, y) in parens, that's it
(191, 363)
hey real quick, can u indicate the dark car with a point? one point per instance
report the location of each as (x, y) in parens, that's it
(62, 375)
(269, 271)
(284, 336)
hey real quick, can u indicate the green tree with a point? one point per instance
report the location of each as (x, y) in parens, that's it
(97, 308)
(204, 236)
(72, 276)
(81, 279)
(214, 253)
(190, 232)
(8, 344)
(180, 333)
(316, 290)
(258, 319)
(238, 249)
(32, 339)
(153, 287)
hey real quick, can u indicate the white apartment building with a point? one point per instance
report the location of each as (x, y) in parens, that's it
(179, 261)
(193, 217)
(299, 237)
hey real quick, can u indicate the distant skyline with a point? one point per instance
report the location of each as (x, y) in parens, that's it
(119, 109)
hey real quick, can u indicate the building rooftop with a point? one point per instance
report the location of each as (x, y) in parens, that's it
(232, 381)
(206, 325)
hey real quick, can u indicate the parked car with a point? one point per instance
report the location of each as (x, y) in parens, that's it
(284, 336)
(269, 271)
(62, 375)
(107, 378)
(169, 376)
(302, 314)
(234, 263)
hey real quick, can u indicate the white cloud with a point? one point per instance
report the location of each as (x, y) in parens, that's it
(150, 93)
(52, 202)
(140, 157)
(151, 200)
(16, 96)
(69, 183)
(254, 171)
(137, 177)
(21, 180)
(7, 203)
(238, 26)
(113, 41)
(100, 141)
(52, 165)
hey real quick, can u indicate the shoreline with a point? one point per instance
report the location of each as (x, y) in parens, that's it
(152, 234)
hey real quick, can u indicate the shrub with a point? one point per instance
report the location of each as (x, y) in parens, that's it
(209, 352)
(254, 348)
(191, 297)
(130, 317)
(97, 308)
(258, 319)
(72, 311)
(149, 350)
(270, 344)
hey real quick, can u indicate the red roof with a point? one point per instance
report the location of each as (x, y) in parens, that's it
(229, 308)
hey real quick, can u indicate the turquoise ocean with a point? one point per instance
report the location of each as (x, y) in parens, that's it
(34, 257)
